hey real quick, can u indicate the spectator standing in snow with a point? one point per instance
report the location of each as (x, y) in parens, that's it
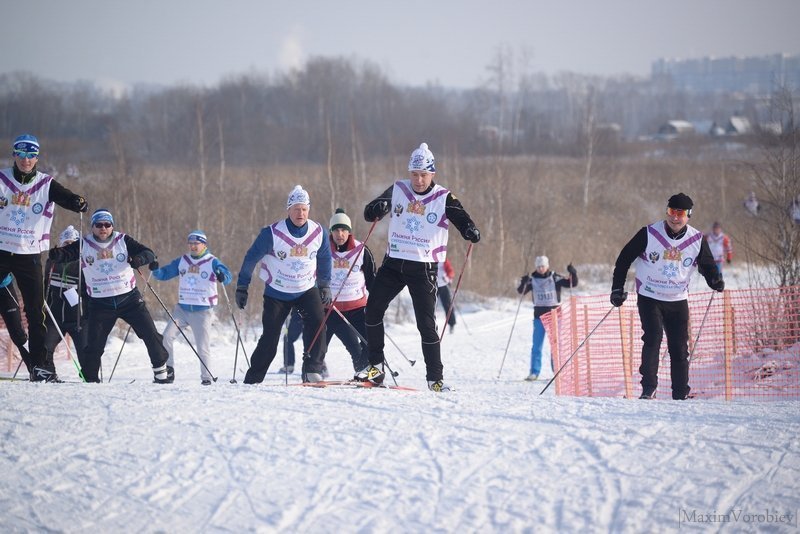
(27, 199)
(444, 276)
(108, 260)
(545, 287)
(295, 264)
(199, 272)
(12, 317)
(666, 253)
(720, 245)
(420, 214)
(61, 280)
(347, 251)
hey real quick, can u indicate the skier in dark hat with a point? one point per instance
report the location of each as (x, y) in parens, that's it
(666, 253)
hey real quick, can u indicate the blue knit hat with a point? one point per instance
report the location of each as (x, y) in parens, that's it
(102, 215)
(26, 143)
(198, 235)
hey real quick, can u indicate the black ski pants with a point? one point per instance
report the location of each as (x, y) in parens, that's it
(275, 312)
(659, 316)
(27, 271)
(9, 310)
(420, 278)
(350, 336)
(103, 314)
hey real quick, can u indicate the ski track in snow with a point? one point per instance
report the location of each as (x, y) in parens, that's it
(492, 456)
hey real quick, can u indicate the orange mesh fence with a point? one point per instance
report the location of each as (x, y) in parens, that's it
(748, 346)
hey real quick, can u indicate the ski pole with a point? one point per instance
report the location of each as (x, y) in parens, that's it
(18, 367)
(411, 362)
(362, 338)
(125, 340)
(238, 336)
(350, 270)
(176, 324)
(700, 330)
(576, 350)
(519, 305)
(61, 334)
(455, 293)
(80, 298)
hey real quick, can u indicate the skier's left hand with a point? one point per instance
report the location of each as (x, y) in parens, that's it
(571, 270)
(325, 296)
(718, 284)
(471, 233)
(79, 204)
(221, 276)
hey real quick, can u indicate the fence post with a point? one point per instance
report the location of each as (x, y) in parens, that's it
(588, 351)
(727, 329)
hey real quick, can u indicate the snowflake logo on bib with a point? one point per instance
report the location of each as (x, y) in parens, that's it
(106, 267)
(296, 266)
(18, 216)
(191, 281)
(413, 225)
(670, 270)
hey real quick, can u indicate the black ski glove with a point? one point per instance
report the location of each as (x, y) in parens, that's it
(137, 261)
(79, 204)
(522, 283)
(325, 296)
(376, 210)
(571, 270)
(241, 296)
(717, 284)
(221, 276)
(618, 297)
(153, 265)
(471, 233)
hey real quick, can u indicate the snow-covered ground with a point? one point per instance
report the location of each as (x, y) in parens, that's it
(492, 456)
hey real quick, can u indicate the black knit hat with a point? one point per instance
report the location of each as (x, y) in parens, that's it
(680, 202)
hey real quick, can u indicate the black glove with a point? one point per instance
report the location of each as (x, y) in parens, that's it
(571, 270)
(618, 297)
(153, 265)
(376, 210)
(136, 261)
(471, 233)
(717, 284)
(522, 283)
(325, 295)
(56, 255)
(241, 297)
(79, 204)
(221, 276)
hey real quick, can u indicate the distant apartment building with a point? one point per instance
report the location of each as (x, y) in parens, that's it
(752, 75)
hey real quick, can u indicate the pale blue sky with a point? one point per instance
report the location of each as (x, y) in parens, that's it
(448, 41)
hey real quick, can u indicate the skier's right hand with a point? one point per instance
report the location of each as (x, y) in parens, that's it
(56, 255)
(241, 296)
(376, 210)
(522, 283)
(618, 297)
(153, 265)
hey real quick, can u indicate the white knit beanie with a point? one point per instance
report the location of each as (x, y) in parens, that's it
(298, 196)
(422, 159)
(340, 220)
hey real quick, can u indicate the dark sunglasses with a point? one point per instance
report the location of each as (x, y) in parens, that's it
(103, 225)
(26, 155)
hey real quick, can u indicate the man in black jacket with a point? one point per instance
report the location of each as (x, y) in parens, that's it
(667, 253)
(421, 213)
(27, 199)
(109, 259)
